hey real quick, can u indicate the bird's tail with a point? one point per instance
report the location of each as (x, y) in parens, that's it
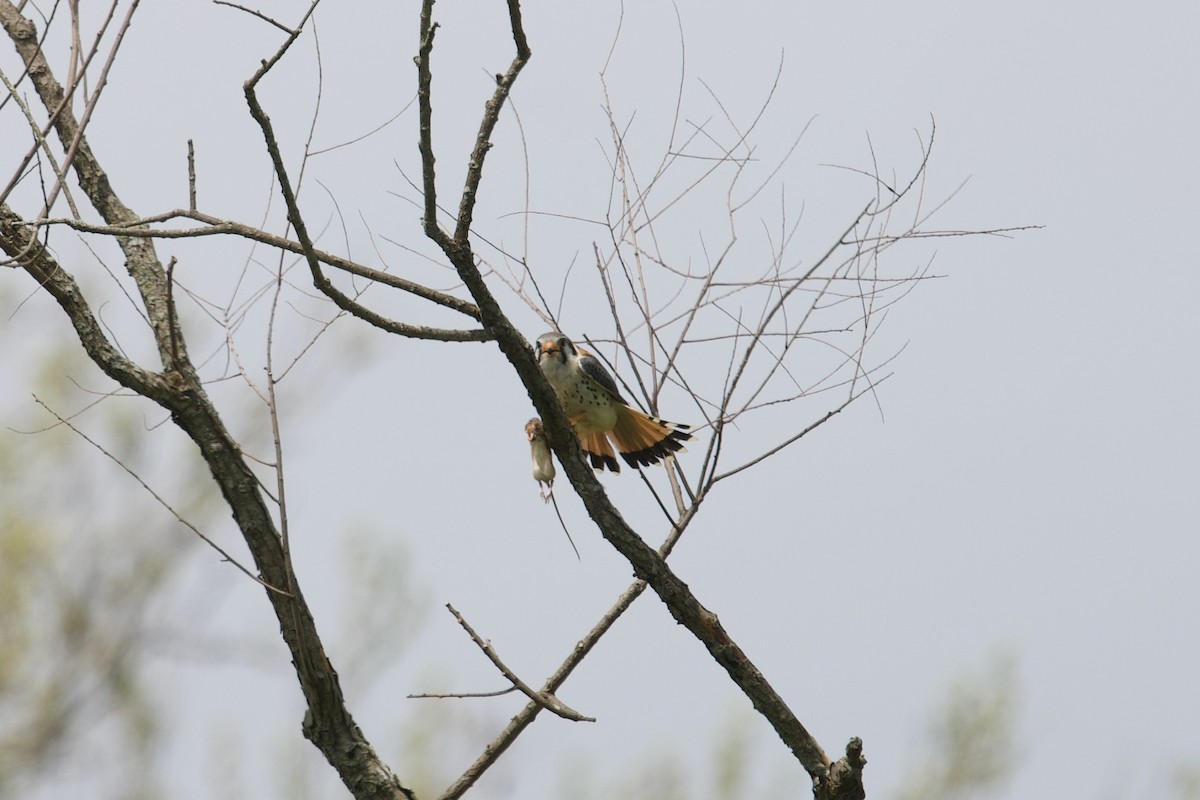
(599, 451)
(643, 440)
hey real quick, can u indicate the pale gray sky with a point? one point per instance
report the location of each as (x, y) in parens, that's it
(1030, 492)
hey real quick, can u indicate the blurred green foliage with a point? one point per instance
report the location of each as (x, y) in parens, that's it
(80, 570)
(971, 746)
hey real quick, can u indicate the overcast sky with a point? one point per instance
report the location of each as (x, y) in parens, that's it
(1024, 488)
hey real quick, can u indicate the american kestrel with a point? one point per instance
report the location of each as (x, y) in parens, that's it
(592, 403)
(539, 451)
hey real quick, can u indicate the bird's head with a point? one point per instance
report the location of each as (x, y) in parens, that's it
(553, 345)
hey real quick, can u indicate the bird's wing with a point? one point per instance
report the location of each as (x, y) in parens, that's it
(592, 367)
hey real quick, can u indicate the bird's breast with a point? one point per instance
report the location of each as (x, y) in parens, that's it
(591, 406)
(585, 402)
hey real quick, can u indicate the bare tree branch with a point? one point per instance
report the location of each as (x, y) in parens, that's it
(647, 564)
(158, 498)
(214, 226)
(546, 700)
(785, 329)
(327, 722)
(526, 715)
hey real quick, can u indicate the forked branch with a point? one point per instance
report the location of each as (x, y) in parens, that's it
(546, 700)
(178, 389)
(647, 564)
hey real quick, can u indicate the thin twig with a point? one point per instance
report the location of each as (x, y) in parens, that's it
(262, 16)
(557, 513)
(90, 107)
(545, 699)
(525, 717)
(224, 555)
(215, 226)
(459, 695)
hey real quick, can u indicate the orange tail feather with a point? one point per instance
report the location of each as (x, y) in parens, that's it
(644, 440)
(599, 451)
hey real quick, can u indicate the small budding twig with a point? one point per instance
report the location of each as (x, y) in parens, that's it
(172, 319)
(191, 176)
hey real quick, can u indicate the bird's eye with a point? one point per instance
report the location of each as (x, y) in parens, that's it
(563, 343)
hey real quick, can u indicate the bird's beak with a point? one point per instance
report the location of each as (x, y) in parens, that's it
(549, 348)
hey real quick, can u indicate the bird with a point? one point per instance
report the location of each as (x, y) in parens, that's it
(595, 408)
(539, 451)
